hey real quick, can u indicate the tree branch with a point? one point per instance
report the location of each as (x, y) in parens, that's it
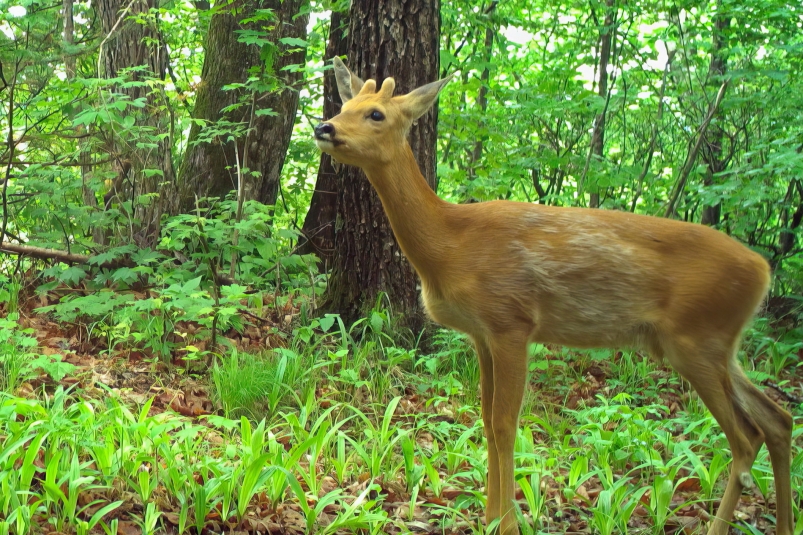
(687, 167)
(62, 256)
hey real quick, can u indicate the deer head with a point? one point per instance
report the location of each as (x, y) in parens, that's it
(372, 124)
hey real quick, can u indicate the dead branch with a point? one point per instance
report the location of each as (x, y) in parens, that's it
(72, 258)
(62, 256)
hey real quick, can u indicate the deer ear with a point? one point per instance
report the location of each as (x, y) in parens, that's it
(348, 83)
(417, 102)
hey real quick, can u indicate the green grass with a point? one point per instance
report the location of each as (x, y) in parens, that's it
(331, 435)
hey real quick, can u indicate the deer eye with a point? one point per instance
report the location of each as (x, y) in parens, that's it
(377, 116)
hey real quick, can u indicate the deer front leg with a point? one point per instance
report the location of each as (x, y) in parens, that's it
(509, 356)
(492, 511)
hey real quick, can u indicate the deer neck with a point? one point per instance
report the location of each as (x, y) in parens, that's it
(415, 212)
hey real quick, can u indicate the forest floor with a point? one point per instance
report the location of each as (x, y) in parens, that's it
(358, 435)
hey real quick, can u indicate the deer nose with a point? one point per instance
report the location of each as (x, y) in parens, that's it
(324, 131)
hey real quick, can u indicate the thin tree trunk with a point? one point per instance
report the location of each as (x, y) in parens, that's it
(482, 94)
(319, 225)
(69, 39)
(209, 167)
(394, 38)
(712, 152)
(789, 224)
(598, 137)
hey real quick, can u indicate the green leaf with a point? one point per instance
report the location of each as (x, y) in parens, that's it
(103, 511)
(86, 117)
(53, 365)
(377, 322)
(125, 275)
(72, 275)
(253, 37)
(294, 41)
(153, 172)
(326, 322)
(255, 476)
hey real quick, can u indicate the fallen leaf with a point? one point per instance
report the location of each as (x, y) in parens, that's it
(128, 528)
(690, 484)
(451, 494)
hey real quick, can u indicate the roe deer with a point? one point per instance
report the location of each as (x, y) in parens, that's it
(508, 273)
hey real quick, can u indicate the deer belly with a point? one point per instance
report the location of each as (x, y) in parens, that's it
(450, 314)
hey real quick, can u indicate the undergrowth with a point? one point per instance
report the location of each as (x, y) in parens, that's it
(166, 401)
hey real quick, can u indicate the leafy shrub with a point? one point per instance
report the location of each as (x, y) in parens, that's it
(185, 292)
(18, 361)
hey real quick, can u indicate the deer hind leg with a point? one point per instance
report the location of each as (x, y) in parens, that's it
(776, 424)
(509, 354)
(708, 367)
(492, 510)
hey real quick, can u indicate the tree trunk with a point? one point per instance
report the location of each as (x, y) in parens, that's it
(319, 225)
(712, 153)
(145, 176)
(69, 38)
(209, 168)
(482, 94)
(598, 137)
(394, 38)
(789, 224)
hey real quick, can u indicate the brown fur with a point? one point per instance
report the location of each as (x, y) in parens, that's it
(510, 273)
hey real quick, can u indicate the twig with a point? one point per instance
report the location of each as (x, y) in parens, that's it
(251, 314)
(241, 184)
(214, 270)
(653, 135)
(114, 28)
(789, 397)
(180, 91)
(684, 173)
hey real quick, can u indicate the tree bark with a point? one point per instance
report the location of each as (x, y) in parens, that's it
(789, 224)
(209, 169)
(712, 152)
(145, 176)
(393, 38)
(598, 136)
(69, 39)
(319, 225)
